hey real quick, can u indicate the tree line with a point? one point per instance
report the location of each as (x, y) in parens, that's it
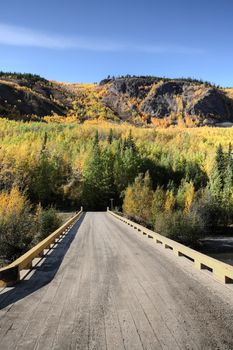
(173, 182)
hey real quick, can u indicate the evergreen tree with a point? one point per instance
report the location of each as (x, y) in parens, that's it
(220, 162)
(96, 141)
(129, 143)
(217, 176)
(227, 188)
(126, 168)
(43, 176)
(110, 136)
(227, 185)
(98, 175)
(108, 188)
(92, 175)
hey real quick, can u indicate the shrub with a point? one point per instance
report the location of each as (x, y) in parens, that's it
(20, 227)
(16, 224)
(47, 222)
(185, 228)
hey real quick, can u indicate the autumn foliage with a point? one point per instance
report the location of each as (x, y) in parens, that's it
(164, 177)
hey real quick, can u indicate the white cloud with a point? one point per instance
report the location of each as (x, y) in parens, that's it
(175, 49)
(20, 36)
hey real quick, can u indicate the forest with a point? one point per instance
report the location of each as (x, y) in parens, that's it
(178, 181)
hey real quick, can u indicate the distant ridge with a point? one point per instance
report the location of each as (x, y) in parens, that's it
(135, 99)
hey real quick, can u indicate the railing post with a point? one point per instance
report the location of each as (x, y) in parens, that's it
(197, 264)
(177, 252)
(219, 275)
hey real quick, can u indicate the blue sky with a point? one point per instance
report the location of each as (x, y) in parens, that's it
(84, 41)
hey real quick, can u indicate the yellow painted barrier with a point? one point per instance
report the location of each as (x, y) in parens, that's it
(10, 274)
(221, 271)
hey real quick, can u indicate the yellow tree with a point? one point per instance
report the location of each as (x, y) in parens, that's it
(138, 198)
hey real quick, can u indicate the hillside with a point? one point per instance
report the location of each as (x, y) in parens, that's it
(159, 101)
(27, 95)
(137, 100)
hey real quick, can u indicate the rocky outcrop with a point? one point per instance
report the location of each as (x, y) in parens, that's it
(160, 99)
(213, 103)
(134, 87)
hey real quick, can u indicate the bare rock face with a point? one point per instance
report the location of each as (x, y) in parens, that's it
(163, 101)
(213, 104)
(134, 87)
(118, 104)
(188, 99)
(159, 99)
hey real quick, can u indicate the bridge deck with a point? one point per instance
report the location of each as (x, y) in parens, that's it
(108, 287)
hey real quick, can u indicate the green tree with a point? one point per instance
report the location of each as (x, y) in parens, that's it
(98, 178)
(108, 188)
(92, 176)
(127, 166)
(47, 221)
(216, 183)
(227, 186)
(110, 136)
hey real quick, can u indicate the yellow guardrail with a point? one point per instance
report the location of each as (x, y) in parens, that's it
(10, 274)
(221, 271)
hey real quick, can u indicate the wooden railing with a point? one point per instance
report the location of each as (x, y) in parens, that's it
(221, 271)
(10, 274)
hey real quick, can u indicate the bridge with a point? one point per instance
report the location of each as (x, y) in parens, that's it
(110, 284)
